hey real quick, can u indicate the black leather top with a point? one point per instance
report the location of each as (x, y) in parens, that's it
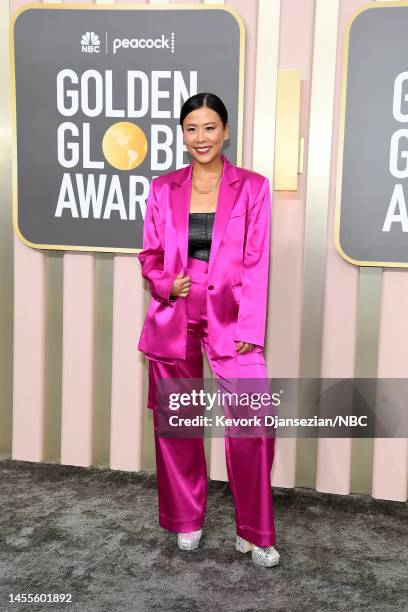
(200, 235)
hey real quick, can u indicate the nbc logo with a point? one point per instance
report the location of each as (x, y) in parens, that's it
(90, 42)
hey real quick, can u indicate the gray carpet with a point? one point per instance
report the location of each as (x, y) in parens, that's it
(94, 533)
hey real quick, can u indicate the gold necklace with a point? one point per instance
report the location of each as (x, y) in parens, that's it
(202, 190)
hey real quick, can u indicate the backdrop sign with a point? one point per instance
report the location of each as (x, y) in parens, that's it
(372, 197)
(98, 93)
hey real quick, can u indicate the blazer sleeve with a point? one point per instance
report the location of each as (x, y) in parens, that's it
(254, 294)
(152, 256)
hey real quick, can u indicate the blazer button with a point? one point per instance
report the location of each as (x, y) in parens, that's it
(210, 287)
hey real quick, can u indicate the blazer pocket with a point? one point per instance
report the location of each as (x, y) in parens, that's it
(253, 357)
(160, 359)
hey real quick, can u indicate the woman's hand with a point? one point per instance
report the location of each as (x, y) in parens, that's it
(181, 286)
(244, 347)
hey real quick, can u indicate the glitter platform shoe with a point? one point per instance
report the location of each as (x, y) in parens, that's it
(189, 540)
(267, 557)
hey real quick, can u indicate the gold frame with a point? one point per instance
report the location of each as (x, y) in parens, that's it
(380, 264)
(116, 7)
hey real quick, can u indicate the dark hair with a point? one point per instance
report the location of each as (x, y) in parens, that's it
(204, 99)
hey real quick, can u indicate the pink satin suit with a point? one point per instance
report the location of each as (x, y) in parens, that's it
(226, 303)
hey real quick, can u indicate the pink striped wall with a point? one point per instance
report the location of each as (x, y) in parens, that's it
(128, 427)
(288, 219)
(340, 306)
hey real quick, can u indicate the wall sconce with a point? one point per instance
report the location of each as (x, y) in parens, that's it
(288, 144)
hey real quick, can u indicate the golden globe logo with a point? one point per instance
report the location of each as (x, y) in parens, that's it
(124, 145)
(89, 186)
(90, 43)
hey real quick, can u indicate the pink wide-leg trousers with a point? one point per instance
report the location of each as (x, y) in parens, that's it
(180, 462)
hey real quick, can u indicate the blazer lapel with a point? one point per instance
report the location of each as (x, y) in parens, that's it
(180, 196)
(226, 199)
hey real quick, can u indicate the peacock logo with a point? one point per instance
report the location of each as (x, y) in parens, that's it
(90, 42)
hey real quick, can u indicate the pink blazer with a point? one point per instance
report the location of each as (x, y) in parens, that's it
(238, 266)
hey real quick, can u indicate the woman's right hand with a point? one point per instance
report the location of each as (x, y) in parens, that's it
(181, 286)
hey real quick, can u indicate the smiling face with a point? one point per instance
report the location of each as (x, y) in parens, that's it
(204, 134)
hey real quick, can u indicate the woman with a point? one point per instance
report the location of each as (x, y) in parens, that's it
(206, 258)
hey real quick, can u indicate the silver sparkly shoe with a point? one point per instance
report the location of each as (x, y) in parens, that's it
(189, 540)
(267, 556)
